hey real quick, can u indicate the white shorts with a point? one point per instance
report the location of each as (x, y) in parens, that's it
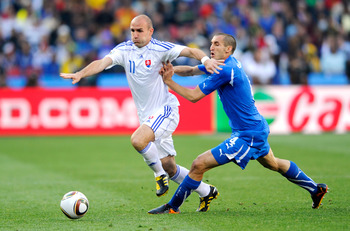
(163, 123)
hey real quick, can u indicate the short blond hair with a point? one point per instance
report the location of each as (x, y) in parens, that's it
(229, 40)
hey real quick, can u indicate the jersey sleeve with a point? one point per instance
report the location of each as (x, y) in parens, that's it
(173, 52)
(202, 68)
(116, 54)
(213, 82)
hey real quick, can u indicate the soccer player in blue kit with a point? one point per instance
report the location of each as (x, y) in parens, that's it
(250, 130)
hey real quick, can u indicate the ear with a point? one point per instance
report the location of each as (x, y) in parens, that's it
(228, 49)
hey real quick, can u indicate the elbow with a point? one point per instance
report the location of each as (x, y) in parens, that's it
(195, 96)
(193, 100)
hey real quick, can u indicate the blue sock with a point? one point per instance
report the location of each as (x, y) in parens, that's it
(183, 191)
(296, 176)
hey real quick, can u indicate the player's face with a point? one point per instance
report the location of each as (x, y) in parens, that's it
(217, 48)
(141, 34)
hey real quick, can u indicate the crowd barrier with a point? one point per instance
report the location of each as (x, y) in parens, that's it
(111, 111)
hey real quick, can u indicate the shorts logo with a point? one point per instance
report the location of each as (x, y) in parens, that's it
(149, 119)
(148, 62)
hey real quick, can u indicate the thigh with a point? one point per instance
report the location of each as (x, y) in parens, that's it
(163, 122)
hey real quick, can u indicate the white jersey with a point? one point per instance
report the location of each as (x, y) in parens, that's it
(142, 67)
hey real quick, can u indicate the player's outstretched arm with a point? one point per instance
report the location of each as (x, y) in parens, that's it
(192, 95)
(187, 70)
(211, 65)
(93, 68)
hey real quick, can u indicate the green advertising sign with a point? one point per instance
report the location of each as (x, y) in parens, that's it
(222, 120)
(260, 96)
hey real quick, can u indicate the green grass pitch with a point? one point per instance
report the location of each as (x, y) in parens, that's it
(37, 171)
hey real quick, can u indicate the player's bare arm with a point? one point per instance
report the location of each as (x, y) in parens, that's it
(192, 95)
(212, 65)
(184, 71)
(93, 68)
(187, 70)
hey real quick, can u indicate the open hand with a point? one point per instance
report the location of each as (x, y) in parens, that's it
(74, 76)
(167, 71)
(212, 65)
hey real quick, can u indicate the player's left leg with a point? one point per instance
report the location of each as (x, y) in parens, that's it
(294, 174)
(200, 165)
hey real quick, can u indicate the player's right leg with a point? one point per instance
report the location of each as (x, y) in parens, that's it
(142, 140)
(317, 197)
(294, 174)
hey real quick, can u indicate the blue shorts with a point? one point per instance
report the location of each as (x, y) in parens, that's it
(243, 146)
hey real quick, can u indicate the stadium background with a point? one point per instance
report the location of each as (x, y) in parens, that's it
(297, 54)
(40, 38)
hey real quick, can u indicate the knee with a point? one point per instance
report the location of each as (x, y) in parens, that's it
(137, 142)
(198, 166)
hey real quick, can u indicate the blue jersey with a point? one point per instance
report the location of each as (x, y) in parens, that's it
(235, 93)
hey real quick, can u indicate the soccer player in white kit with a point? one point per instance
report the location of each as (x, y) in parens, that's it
(157, 108)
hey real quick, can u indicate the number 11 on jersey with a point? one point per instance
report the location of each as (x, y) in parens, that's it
(132, 66)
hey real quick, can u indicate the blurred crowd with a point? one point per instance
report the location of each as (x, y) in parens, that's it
(275, 38)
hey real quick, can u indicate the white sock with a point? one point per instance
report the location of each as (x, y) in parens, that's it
(150, 156)
(203, 189)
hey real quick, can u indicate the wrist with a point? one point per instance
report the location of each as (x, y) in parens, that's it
(204, 59)
(168, 81)
(79, 74)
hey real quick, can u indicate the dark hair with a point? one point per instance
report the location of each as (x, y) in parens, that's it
(229, 40)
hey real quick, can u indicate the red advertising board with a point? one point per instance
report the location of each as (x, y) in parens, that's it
(87, 111)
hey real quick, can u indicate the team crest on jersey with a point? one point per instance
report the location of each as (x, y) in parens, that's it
(148, 62)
